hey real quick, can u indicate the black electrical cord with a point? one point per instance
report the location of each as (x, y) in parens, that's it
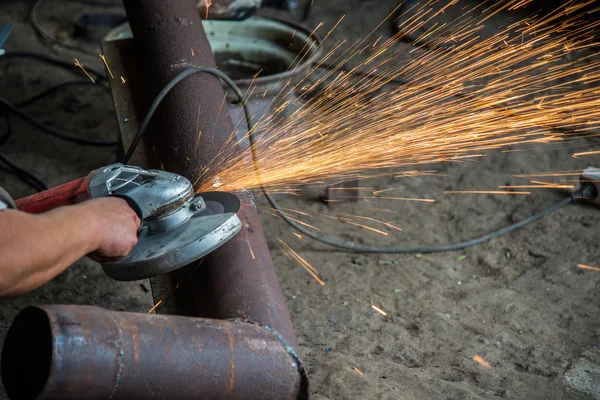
(25, 175)
(54, 132)
(100, 3)
(163, 93)
(6, 135)
(48, 38)
(53, 89)
(424, 249)
(581, 193)
(52, 61)
(14, 107)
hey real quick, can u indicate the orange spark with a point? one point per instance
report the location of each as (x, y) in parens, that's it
(545, 186)
(250, 248)
(480, 360)
(583, 266)
(107, 67)
(386, 198)
(358, 370)
(336, 25)
(478, 95)
(198, 131)
(299, 236)
(154, 308)
(276, 214)
(208, 4)
(387, 224)
(363, 226)
(550, 174)
(485, 192)
(219, 113)
(80, 65)
(345, 218)
(379, 310)
(257, 74)
(586, 153)
(123, 80)
(309, 268)
(550, 184)
(350, 188)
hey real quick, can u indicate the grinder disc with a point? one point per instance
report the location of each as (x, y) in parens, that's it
(163, 252)
(220, 203)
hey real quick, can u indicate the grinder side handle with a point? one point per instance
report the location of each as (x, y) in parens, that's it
(63, 195)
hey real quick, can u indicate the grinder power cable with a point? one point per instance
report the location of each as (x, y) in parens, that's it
(177, 226)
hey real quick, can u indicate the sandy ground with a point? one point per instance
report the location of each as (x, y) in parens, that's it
(520, 301)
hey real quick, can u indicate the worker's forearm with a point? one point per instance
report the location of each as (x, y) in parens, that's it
(46, 244)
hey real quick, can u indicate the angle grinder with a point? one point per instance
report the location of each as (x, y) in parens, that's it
(177, 227)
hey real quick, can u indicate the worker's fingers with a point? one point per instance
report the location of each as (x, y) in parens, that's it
(117, 226)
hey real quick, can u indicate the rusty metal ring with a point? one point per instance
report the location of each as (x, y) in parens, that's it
(304, 384)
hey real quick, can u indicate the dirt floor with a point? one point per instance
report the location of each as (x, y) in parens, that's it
(519, 301)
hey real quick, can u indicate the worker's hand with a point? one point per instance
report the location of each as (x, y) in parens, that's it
(114, 225)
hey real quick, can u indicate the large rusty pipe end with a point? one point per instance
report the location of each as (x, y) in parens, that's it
(84, 352)
(27, 355)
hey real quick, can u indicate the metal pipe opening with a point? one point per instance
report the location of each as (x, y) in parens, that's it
(83, 352)
(27, 352)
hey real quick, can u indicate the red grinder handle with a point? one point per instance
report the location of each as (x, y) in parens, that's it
(63, 195)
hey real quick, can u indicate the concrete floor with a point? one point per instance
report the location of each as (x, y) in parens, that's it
(533, 315)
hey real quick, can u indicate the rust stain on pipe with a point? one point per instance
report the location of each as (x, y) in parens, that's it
(231, 348)
(84, 352)
(231, 282)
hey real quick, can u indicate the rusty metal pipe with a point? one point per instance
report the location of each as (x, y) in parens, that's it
(84, 352)
(169, 39)
(238, 280)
